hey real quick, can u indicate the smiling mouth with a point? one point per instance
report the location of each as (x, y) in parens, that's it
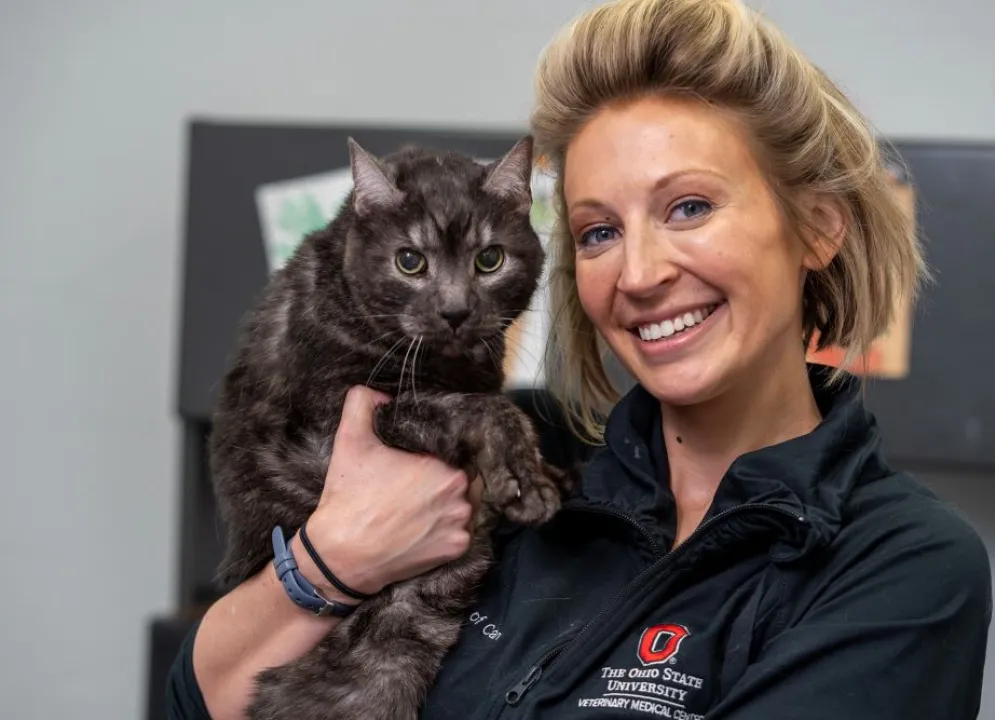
(675, 326)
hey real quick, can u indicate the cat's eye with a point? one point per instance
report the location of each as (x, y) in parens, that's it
(410, 262)
(489, 259)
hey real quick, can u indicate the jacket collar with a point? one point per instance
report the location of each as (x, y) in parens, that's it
(811, 476)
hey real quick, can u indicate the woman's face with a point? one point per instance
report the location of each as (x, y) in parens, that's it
(684, 262)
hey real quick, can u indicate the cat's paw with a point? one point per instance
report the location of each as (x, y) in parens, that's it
(538, 502)
(522, 489)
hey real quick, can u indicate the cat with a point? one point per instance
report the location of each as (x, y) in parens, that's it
(409, 291)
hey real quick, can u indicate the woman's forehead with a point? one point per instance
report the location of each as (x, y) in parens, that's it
(642, 143)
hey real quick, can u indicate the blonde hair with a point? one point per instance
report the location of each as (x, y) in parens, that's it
(806, 135)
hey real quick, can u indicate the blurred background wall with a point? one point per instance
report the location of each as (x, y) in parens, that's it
(94, 97)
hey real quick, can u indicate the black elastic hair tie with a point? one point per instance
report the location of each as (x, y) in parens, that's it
(329, 575)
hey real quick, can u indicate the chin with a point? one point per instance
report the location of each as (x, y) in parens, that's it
(451, 347)
(691, 380)
(675, 391)
(679, 396)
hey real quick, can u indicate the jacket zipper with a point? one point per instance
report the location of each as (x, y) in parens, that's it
(618, 514)
(515, 695)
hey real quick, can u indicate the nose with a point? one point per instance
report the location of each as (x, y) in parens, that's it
(646, 264)
(455, 316)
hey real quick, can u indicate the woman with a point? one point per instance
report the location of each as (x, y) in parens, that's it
(740, 547)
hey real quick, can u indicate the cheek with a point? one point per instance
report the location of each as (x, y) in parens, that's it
(596, 288)
(764, 279)
(388, 291)
(747, 254)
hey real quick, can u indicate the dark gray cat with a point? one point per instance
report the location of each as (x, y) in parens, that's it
(408, 291)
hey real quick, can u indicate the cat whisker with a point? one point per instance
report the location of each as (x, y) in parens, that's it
(389, 334)
(385, 335)
(363, 316)
(520, 347)
(414, 366)
(522, 318)
(400, 382)
(490, 351)
(383, 361)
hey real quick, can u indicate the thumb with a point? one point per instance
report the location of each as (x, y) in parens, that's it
(357, 410)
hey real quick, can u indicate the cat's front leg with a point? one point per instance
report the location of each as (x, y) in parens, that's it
(379, 663)
(480, 434)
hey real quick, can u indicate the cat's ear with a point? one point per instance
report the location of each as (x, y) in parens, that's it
(373, 189)
(511, 176)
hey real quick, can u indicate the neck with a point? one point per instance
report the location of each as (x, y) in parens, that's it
(703, 440)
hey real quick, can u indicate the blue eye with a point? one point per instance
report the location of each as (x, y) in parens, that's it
(691, 209)
(597, 235)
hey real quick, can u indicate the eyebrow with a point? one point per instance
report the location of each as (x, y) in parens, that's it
(660, 184)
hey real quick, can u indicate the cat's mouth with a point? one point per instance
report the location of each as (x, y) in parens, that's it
(476, 340)
(453, 350)
(453, 347)
(465, 344)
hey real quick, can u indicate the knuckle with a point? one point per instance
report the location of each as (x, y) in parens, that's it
(353, 396)
(457, 482)
(461, 542)
(463, 513)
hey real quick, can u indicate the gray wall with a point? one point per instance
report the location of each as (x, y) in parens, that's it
(93, 100)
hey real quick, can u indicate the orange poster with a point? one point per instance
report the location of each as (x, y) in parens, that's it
(888, 357)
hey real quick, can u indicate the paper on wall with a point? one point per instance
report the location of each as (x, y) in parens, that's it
(290, 209)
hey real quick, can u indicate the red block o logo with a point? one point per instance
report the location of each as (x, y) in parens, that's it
(660, 643)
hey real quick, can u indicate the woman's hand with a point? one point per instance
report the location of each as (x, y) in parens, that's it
(385, 515)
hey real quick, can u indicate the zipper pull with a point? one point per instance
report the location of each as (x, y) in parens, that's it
(515, 695)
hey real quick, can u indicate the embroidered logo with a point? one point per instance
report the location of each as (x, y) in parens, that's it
(661, 643)
(666, 692)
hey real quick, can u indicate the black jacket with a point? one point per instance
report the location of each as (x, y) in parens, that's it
(822, 584)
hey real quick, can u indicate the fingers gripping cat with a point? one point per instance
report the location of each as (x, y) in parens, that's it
(379, 663)
(484, 435)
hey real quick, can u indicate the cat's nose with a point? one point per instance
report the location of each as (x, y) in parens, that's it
(455, 318)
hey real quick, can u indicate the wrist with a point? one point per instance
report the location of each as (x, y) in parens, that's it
(297, 587)
(337, 558)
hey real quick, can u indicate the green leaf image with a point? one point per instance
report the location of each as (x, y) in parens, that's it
(542, 215)
(301, 215)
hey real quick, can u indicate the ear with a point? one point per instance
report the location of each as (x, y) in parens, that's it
(827, 229)
(373, 190)
(511, 176)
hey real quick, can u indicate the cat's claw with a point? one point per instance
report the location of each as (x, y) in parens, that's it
(536, 506)
(524, 493)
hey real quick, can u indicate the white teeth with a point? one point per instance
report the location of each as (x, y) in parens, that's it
(667, 328)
